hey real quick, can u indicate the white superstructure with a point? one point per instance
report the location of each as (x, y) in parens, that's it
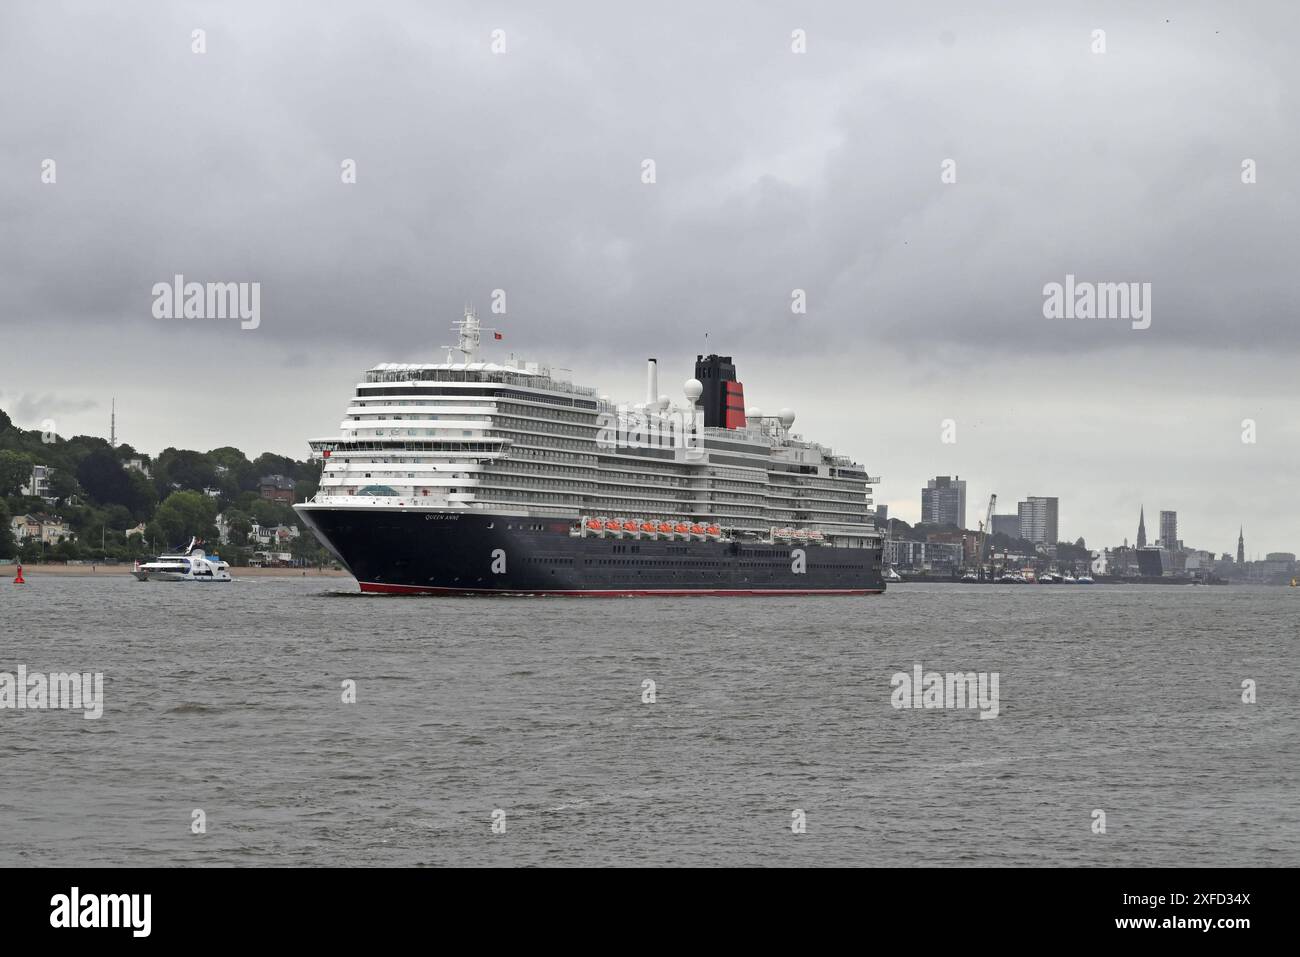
(517, 439)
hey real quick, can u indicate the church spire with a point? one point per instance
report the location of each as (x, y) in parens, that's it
(1142, 528)
(1241, 546)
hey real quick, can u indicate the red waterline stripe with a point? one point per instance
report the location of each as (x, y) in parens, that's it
(384, 588)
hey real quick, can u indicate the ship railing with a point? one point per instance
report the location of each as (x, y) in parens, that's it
(521, 378)
(412, 501)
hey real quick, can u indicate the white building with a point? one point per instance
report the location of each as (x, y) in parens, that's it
(39, 484)
(277, 535)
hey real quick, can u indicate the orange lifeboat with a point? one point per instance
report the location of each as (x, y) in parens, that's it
(665, 528)
(594, 524)
(714, 530)
(613, 527)
(682, 528)
(631, 526)
(648, 526)
(698, 530)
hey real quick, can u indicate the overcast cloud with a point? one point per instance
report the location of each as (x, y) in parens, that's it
(775, 171)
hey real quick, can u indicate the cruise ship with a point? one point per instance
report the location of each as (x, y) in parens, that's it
(469, 477)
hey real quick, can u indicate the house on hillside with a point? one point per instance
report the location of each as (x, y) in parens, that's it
(279, 536)
(39, 483)
(276, 488)
(50, 529)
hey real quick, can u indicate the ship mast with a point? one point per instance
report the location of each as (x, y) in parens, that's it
(468, 332)
(467, 339)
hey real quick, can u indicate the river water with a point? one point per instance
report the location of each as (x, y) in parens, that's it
(766, 712)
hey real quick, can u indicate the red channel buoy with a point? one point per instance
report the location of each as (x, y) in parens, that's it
(18, 579)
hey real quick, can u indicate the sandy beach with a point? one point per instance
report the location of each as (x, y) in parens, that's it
(35, 571)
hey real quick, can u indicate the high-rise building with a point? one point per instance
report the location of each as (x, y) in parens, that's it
(1241, 545)
(1142, 528)
(1169, 530)
(1008, 525)
(1038, 519)
(943, 501)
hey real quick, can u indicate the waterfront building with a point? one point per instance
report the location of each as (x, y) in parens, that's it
(943, 501)
(1038, 519)
(1169, 530)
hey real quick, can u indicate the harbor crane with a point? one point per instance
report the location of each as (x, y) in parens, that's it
(985, 527)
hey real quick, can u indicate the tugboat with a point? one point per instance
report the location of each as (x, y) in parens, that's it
(191, 565)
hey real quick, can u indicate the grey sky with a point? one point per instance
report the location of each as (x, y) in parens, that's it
(775, 171)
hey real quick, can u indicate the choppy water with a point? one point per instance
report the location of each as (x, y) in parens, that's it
(227, 698)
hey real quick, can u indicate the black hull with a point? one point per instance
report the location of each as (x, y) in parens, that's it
(421, 552)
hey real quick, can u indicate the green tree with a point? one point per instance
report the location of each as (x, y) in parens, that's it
(104, 479)
(63, 485)
(229, 457)
(268, 513)
(142, 499)
(268, 463)
(67, 550)
(15, 471)
(8, 547)
(186, 468)
(239, 525)
(182, 515)
(118, 518)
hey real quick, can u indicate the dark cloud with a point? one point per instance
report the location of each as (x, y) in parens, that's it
(775, 171)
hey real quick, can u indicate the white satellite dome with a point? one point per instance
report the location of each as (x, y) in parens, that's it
(787, 417)
(754, 413)
(664, 402)
(694, 388)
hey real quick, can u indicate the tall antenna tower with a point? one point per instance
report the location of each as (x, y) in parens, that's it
(112, 426)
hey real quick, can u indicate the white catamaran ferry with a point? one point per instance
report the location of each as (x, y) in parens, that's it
(194, 565)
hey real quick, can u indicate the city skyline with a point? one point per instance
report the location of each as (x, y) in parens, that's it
(972, 524)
